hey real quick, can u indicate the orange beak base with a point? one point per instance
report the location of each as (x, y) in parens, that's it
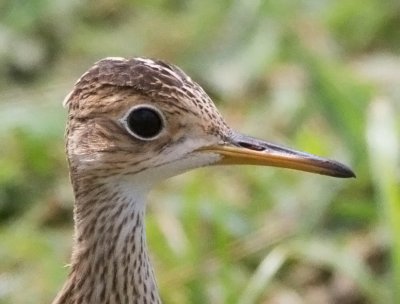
(248, 150)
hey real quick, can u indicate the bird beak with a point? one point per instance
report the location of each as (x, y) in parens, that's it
(242, 149)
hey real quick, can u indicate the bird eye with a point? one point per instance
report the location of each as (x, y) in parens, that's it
(144, 122)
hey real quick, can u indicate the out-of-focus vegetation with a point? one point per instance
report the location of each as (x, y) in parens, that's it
(321, 76)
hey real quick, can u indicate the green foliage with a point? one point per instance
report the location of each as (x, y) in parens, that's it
(321, 76)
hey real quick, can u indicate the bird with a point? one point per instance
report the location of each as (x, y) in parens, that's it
(131, 124)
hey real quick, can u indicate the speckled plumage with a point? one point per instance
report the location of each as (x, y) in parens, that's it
(110, 172)
(154, 79)
(112, 169)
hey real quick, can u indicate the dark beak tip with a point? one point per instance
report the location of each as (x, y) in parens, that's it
(349, 174)
(353, 175)
(343, 171)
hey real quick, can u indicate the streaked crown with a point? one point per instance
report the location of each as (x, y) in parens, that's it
(103, 98)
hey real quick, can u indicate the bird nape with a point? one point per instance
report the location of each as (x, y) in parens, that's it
(132, 123)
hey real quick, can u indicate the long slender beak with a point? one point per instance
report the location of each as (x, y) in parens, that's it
(242, 149)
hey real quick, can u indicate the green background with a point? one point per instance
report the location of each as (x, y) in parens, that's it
(320, 76)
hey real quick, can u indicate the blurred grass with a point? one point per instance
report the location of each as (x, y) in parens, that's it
(322, 76)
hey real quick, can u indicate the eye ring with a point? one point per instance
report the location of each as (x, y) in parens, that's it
(144, 122)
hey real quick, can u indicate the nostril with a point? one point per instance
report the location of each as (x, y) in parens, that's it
(251, 146)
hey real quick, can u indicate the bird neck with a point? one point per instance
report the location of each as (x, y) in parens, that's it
(110, 262)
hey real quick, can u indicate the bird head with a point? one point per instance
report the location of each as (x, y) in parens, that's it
(147, 119)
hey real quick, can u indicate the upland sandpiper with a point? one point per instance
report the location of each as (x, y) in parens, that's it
(131, 124)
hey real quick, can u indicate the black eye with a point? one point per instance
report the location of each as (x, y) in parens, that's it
(144, 122)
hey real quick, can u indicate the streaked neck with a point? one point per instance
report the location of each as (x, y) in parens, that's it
(110, 262)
